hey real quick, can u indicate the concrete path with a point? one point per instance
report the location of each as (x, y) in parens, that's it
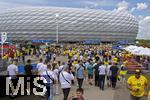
(90, 92)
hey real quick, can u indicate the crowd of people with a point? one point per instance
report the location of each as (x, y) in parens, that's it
(85, 63)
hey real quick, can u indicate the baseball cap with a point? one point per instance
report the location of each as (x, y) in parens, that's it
(137, 71)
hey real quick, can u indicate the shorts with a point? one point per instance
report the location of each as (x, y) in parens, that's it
(90, 76)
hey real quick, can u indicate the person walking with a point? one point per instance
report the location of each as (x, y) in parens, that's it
(114, 74)
(49, 78)
(122, 73)
(90, 72)
(96, 72)
(148, 98)
(137, 84)
(65, 78)
(54, 57)
(28, 72)
(56, 72)
(39, 65)
(102, 74)
(108, 74)
(42, 69)
(80, 75)
(12, 71)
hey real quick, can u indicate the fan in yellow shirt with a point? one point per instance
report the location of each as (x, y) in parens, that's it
(5, 56)
(115, 60)
(70, 54)
(123, 73)
(137, 85)
(148, 95)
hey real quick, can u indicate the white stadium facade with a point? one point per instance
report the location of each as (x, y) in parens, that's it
(40, 23)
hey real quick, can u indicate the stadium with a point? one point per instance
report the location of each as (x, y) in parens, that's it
(71, 24)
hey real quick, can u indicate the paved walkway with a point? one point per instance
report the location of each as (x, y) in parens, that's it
(90, 92)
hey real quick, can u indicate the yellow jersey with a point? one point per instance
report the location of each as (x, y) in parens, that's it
(123, 72)
(115, 60)
(5, 56)
(70, 54)
(137, 84)
(149, 93)
(106, 63)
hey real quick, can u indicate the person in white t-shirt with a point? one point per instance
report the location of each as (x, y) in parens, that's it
(108, 74)
(102, 74)
(39, 65)
(54, 57)
(65, 78)
(56, 72)
(61, 67)
(12, 71)
(42, 69)
(49, 78)
(77, 65)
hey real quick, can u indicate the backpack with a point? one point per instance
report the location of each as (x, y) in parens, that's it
(96, 67)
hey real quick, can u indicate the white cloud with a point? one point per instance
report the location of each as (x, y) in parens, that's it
(147, 18)
(98, 3)
(92, 4)
(133, 9)
(144, 28)
(141, 6)
(122, 6)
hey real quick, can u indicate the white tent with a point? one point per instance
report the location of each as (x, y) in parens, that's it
(130, 48)
(146, 52)
(138, 50)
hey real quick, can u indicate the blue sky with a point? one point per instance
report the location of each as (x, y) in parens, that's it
(139, 8)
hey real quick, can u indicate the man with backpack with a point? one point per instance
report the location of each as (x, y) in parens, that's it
(65, 78)
(49, 78)
(80, 75)
(96, 72)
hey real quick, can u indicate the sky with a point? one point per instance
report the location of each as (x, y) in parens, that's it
(139, 8)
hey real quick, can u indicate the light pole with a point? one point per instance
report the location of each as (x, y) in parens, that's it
(57, 26)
